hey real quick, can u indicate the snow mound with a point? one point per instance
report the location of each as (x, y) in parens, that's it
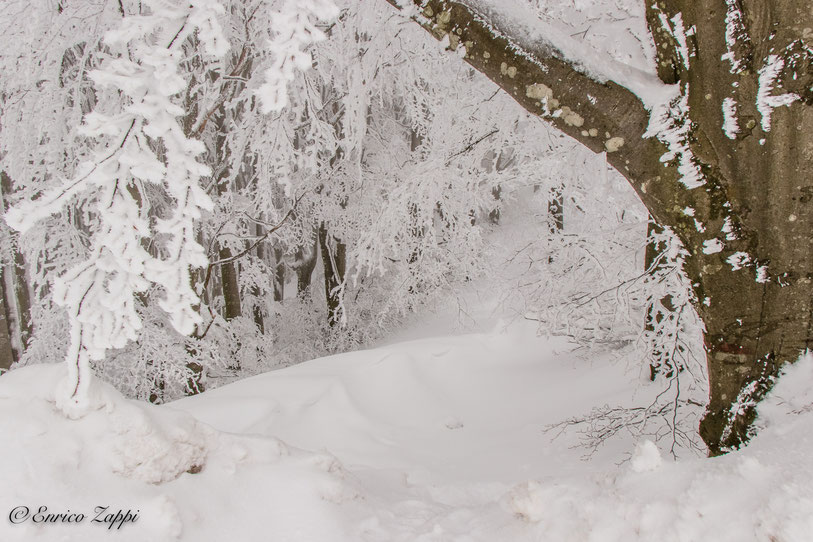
(646, 457)
(133, 440)
(792, 395)
(439, 440)
(179, 478)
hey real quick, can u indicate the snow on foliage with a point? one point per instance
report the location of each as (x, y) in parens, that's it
(138, 140)
(295, 31)
(99, 293)
(420, 191)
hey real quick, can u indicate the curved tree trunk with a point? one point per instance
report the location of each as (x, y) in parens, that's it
(751, 256)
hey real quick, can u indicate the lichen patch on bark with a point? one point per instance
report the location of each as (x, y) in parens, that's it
(613, 144)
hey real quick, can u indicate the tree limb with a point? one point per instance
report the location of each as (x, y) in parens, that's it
(600, 115)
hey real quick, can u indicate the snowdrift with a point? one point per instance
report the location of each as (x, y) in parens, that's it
(434, 440)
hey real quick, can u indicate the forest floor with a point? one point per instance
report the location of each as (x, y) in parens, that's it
(443, 439)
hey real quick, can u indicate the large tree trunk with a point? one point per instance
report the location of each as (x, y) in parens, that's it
(752, 193)
(758, 317)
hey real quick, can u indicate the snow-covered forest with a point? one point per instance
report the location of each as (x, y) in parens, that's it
(345, 270)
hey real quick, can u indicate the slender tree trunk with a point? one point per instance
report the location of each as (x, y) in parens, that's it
(230, 286)
(305, 264)
(22, 296)
(556, 214)
(6, 349)
(504, 160)
(229, 278)
(18, 299)
(334, 259)
(261, 249)
(415, 229)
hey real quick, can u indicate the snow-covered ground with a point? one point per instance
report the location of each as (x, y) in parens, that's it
(434, 440)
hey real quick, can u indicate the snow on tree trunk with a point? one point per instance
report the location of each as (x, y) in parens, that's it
(334, 261)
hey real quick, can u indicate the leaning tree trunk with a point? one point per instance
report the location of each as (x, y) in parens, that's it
(745, 216)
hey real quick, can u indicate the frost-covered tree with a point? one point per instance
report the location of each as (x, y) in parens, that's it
(160, 102)
(131, 73)
(718, 147)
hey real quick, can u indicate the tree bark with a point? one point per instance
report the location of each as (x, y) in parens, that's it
(756, 191)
